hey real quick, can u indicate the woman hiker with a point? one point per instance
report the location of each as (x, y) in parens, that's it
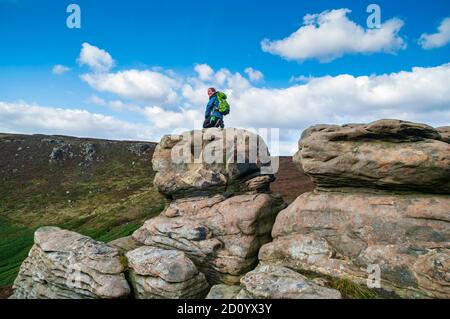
(213, 117)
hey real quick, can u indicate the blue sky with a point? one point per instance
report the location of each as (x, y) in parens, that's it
(297, 84)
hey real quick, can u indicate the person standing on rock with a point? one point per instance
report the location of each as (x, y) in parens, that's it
(216, 109)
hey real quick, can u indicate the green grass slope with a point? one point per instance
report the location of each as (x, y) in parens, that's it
(99, 188)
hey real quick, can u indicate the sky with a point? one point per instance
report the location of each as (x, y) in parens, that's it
(137, 70)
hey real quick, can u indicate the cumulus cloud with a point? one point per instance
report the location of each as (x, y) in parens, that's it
(438, 39)
(170, 120)
(419, 95)
(194, 90)
(205, 72)
(148, 86)
(95, 58)
(94, 99)
(116, 105)
(254, 75)
(331, 34)
(300, 78)
(60, 69)
(151, 86)
(27, 118)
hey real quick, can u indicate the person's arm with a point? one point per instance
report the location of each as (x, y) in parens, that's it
(209, 107)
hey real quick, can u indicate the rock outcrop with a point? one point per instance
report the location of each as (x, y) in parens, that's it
(382, 201)
(140, 149)
(61, 151)
(89, 152)
(445, 133)
(222, 210)
(387, 154)
(211, 161)
(125, 244)
(379, 216)
(222, 291)
(273, 282)
(276, 282)
(66, 265)
(221, 235)
(165, 274)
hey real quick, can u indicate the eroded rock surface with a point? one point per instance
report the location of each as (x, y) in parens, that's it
(125, 244)
(223, 292)
(387, 154)
(340, 234)
(221, 235)
(445, 133)
(277, 282)
(165, 274)
(66, 265)
(211, 161)
(382, 201)
(222, 210)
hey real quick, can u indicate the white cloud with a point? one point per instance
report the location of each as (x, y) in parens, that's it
(418, 95)
(205, 72)
(300, 78)
(116, 105)
(26, 118)
(254, 75)
(120, 106)
(438, 39)
(144, 85)
(153, 86)
(172, 120)
(194, 92)
(60, 69)
(94, 99)
(330, 34)
(97, 59)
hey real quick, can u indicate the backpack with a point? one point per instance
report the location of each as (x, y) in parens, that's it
(224, 106)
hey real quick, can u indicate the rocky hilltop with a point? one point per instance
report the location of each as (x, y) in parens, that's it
(381, 205)
(100, 188)
(219, 216)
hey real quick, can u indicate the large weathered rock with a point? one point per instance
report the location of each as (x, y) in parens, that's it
(212, 161)
(221, 235)
(223, 292)
(340, 234)
(445, 133)
(125, 244)
(222, 210)
(165, 274)
(276, 282)
(387, 154)
(63, 264)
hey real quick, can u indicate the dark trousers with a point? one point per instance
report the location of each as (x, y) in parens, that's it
(217, 122)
